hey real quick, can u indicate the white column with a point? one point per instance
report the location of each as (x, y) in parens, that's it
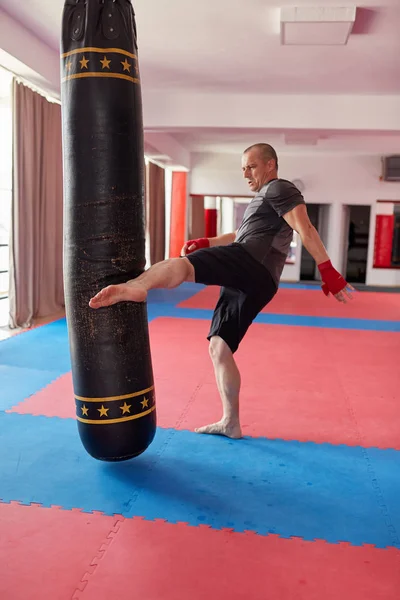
(227, 217)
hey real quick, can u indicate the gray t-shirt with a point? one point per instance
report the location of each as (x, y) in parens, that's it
(263, 232)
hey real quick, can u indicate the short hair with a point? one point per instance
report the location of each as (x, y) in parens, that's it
(266, 152)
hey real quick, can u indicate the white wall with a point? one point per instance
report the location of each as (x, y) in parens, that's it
(189, 109)
(328, 179)
(29, 57)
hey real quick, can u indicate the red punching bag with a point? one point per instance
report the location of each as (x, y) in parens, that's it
(210, 216)
(104, 232)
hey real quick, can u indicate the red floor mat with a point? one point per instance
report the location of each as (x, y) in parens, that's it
(45, 552)
(56, 554)
(365, 305)
(308, 384)
(158, 560)
(57, 400)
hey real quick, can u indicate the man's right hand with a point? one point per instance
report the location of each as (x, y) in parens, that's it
(193, 245)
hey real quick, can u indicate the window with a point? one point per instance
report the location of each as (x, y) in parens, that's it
(5, 188)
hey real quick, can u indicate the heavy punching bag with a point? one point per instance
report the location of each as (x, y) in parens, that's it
(104, 232)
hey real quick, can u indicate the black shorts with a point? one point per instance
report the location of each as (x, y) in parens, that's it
(246, 287)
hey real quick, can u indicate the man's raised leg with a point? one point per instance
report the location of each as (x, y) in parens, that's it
(228, 381)
(166, 274)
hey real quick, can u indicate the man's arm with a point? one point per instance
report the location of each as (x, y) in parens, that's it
(333, 282)
(298, 220)
(221, 240)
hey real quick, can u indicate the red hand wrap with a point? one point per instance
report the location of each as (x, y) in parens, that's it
(332, 281)
(199, 243)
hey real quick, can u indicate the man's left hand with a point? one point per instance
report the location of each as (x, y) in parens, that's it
(334, 283)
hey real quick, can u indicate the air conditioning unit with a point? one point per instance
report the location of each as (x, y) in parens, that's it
(391, 168)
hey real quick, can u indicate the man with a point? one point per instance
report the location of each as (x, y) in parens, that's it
(246, 264)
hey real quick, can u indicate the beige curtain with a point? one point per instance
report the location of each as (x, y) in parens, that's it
(36, 245)
(155, 211)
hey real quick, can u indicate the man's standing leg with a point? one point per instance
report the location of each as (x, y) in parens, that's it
(232, 318)
(229, 324)
(228, 382)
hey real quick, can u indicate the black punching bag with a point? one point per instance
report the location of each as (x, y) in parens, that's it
(104, 232)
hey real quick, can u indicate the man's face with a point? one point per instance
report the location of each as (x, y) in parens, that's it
(256, 171)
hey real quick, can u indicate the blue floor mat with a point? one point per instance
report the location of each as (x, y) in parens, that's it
(300, 286)
(386, 487)
(18, 383)
(267, 486)
(168, 310)
(176, 295)
(44, 348)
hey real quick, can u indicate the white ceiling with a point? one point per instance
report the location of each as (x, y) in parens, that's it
(234, 46)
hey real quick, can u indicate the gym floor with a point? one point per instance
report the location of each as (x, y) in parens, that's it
(305, 506)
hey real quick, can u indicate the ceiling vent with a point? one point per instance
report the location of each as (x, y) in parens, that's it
(391, 168)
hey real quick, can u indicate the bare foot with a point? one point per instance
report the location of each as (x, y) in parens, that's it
(124, 292)
(230, 430)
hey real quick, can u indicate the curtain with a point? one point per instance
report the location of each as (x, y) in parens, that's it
(197, 221)
(178, 213)
(36, 245)
(155, 211)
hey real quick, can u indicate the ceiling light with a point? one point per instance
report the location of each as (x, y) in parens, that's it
(319, 26)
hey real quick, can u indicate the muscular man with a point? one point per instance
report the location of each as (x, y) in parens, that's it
(247, 265)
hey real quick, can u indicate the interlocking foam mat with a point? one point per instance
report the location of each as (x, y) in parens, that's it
(311, 302)
(346, 391)
(305, 506)
(307, 490)
(96, 557)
